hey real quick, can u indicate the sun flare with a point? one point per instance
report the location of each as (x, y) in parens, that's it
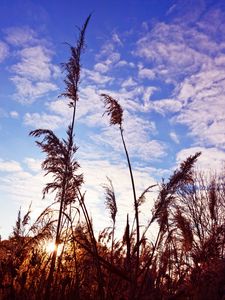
(51, 247)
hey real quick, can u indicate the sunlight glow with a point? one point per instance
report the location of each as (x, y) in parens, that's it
(50, 247)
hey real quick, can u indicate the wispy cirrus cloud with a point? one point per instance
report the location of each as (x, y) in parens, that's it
(14, 114)
(185, 56)
(119, 175)
(211, 159)
(139, 136)
(186, 11)
(96, 77)
(105, 65)
(145, 72)
(9, 166)
(43, 120)
(204, 109)
(29, 91)
(34, 73)
(109, 56)
(20, 188)
(20, 36)
(129, 82)
(35, 64)
(174, 137)
(33, 164)
(23, 187)
(89, 107)
(4, 50)
(58, 114)
(173, 49)
(190, 56)
(140, 133)
(165, 106)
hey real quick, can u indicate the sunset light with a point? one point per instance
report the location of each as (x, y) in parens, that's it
(51, 247)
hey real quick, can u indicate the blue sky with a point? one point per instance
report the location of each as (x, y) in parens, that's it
(163, 60)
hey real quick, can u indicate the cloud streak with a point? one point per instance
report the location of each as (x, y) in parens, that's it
(34, 73)
(4, 51)
(191, 58)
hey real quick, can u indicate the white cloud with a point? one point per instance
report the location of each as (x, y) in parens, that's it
(131, 98)
(116, 39)
(119, 174)
(89, 108)
(138, 131)
(174, 137)
(24, 187)
(18, 190)
(211, 159)
(220, 60)
(96, 77)
(60, 107)
(171, 9)
(212, 22)
(146, 73)
(14, 114)
(108, 57)
(123, 63)
(111, 61)
(108, 49)
(19, 36)
(3, 51)
(147, 93)
(192, 59)
(28, 91)
(138, 136)
(35, 64)
(33, 73)
(187, 11)
(112, 58)
(204, 110)
(176, 49)
(129, 83)
(43, 120)
(101, 67)
(33, 164)
(10, 166)
(165, 106)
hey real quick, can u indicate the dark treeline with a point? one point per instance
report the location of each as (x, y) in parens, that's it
(185, 260)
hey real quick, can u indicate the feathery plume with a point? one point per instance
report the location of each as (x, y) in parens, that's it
(73, 66)
(110, 199)
(113, 109)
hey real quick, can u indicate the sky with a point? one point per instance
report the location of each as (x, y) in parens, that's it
(164, 61)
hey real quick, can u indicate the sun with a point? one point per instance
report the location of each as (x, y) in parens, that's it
(51, 247)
